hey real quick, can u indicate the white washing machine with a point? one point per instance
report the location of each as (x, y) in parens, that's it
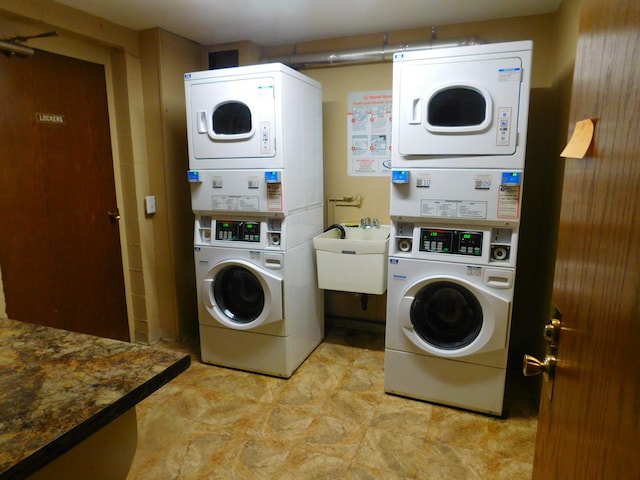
(253, 316)
(449, 304)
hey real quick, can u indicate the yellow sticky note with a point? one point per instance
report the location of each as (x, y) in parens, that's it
(580, 140)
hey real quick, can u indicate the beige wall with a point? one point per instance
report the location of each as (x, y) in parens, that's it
(165, 58)
(145, 71)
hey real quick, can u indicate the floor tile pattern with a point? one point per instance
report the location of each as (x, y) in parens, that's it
(330, 420)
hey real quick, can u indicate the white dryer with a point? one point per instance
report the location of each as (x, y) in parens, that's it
(448, 322)
(253, 316)
(461, 107)
(257, 116)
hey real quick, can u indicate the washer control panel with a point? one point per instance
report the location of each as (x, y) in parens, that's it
(460, 242)
(238, 231)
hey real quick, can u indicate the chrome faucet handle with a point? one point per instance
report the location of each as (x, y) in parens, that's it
(365, 222)
(376, 223)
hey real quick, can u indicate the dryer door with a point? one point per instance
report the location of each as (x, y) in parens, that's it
(459, 107)
(450, 317)
(231, 122)
(241, 295)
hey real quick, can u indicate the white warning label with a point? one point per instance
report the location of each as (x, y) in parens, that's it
(509, 202)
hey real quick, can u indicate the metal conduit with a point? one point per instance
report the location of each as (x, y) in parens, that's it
(372, 54)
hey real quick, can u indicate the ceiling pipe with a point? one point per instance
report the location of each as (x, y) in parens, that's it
(372, 54)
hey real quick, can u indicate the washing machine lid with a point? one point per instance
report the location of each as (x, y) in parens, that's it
(450, 317)
(241, 295)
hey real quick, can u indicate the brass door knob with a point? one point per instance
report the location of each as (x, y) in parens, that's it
(114, 216)
(532, 366)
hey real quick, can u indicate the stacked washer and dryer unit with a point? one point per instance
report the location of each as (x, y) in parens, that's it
(256, 170)
(459, 135)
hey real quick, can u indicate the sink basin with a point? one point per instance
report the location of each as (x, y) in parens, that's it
(356, 263)
(357, 241)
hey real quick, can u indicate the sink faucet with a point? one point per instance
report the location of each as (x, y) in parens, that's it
(366, 222)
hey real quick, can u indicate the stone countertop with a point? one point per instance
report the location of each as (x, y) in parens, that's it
(59, 387)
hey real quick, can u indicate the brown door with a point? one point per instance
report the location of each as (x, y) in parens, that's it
(591, 427)
(59, 248)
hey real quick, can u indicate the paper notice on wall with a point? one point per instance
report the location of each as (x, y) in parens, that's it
(580, 140)
(369, 133)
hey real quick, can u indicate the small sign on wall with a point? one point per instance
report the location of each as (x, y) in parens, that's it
(369, 133)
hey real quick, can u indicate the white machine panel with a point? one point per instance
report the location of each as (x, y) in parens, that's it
(252, 232)
(463, 196)
(251, 191)
(469, 244)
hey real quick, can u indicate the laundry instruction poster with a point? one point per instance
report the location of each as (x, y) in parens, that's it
(369, 133)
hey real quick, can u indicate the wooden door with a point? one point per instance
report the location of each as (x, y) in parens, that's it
(591, 427)
(59, 248)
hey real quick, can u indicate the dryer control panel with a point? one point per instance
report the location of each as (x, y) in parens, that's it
(460, 242)
(238, 231)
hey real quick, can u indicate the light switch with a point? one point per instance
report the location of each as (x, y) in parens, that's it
(150, 204)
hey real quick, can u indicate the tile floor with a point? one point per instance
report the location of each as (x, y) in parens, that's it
(330, 420)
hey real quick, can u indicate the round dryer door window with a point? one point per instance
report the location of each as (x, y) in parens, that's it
(446, 315)
(239, 294)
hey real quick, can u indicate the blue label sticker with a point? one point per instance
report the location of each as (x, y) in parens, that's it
(193, 175)
(400, 176)
(511, 179)
(272, 177)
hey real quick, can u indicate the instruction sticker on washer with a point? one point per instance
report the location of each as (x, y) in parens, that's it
(438, 208)
(509, 202)
(509, 195)
(468, 209)
(274, 197)
(235, 202)
(453, 208)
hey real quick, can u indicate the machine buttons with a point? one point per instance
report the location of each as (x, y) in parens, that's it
(265, 138)
(237, 231)
(504, 126)
(451, 241)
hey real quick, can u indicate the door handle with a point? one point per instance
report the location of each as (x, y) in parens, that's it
(114, 215)
(531, 366)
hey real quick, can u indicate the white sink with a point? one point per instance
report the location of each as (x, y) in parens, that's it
(357, 241)
(356, 263)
